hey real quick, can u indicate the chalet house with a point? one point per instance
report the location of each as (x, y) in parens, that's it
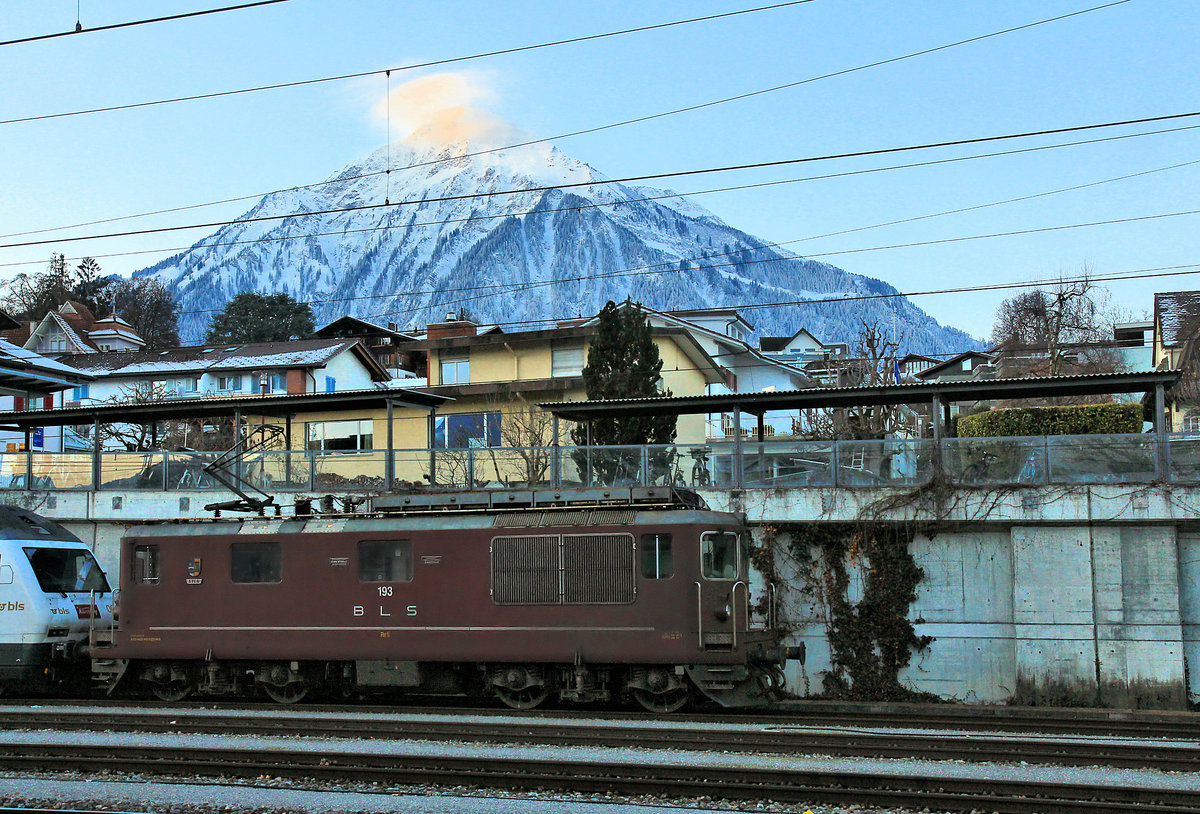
(973, 364)
(215, 371)
(821, 362)
(198, 371)
(72, 328)
(488, 372)
(390, 346)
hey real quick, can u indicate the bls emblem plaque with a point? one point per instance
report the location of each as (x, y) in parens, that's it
(193, 572)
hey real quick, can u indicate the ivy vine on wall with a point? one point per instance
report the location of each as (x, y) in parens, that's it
(872, 639)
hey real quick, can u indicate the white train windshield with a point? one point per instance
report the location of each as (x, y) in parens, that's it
(66, 570)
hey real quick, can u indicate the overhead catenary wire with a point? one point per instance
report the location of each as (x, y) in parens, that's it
(672, 266)
(80, 29)
(1135, 274)
(413, 66)
(623, 180)
(585, 131)
(695, 193)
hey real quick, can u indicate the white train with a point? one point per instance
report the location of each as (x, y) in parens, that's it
(52, 592)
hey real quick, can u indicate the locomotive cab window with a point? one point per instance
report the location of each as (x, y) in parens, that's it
(719, 555)
(66, 570)
(656, 556)
(385, 561)
(145, 564)
(255, 562)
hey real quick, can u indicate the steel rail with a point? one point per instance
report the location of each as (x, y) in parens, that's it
(1053, 720)
(788, 740)
(726, 782)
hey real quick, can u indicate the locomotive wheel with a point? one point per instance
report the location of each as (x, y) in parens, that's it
(171, 690)
(661, 702)
(525, 698)
(287, 694)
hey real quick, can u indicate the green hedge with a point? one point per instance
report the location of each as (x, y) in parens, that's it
(1083, 419)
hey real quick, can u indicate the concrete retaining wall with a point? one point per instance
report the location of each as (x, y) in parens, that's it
(1041, 615)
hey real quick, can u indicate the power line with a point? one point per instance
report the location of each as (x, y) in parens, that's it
(414, 66)
(694, 193)
(1136, 274)
(670, 267)
(517, 288)
(585, 131)
(130, 24)
(611, 181)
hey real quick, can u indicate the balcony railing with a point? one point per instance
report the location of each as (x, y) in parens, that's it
(981, 462)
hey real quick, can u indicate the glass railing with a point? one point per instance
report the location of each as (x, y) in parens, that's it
(717, 465)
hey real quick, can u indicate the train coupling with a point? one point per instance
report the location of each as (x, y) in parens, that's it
(778, 655)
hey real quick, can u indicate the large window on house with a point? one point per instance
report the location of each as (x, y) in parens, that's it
(467, 430)
(454, 368)
(567, 361)
(229, 383)
(341, 436)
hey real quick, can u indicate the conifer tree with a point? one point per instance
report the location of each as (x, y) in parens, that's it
(623, 362)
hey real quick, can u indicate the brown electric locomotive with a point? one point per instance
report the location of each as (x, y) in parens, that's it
(601, 595)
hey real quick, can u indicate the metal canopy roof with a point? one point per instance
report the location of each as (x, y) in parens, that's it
(829, 397)
(274, 405)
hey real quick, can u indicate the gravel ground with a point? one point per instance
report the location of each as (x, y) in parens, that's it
(280, 796)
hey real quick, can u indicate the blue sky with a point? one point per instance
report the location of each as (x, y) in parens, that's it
(1136, 59)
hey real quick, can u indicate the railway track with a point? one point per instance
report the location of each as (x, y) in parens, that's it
(735, 736)
(731, 782)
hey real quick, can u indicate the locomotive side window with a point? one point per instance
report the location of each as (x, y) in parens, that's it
(719, 555)
(255, 562)
(63, 570)
(385, 561)
(145, 564)
(656, 556)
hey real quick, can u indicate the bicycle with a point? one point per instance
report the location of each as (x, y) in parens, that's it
(194, 478)
(978, 470)
(700, 474)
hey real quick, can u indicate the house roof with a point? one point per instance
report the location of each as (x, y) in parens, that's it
(778, 343)
(353, 326)
(677, 318)
(196, 359)
(77, 323)
(23, 371)
(832, 397)
(688, 313)
(269, 405)
(931, 372)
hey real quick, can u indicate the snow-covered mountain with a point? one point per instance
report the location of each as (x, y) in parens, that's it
(453, 236)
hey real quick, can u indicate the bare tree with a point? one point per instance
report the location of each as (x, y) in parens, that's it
(873, 364)
(208, 434)
(1057, 331)
(529, 431)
